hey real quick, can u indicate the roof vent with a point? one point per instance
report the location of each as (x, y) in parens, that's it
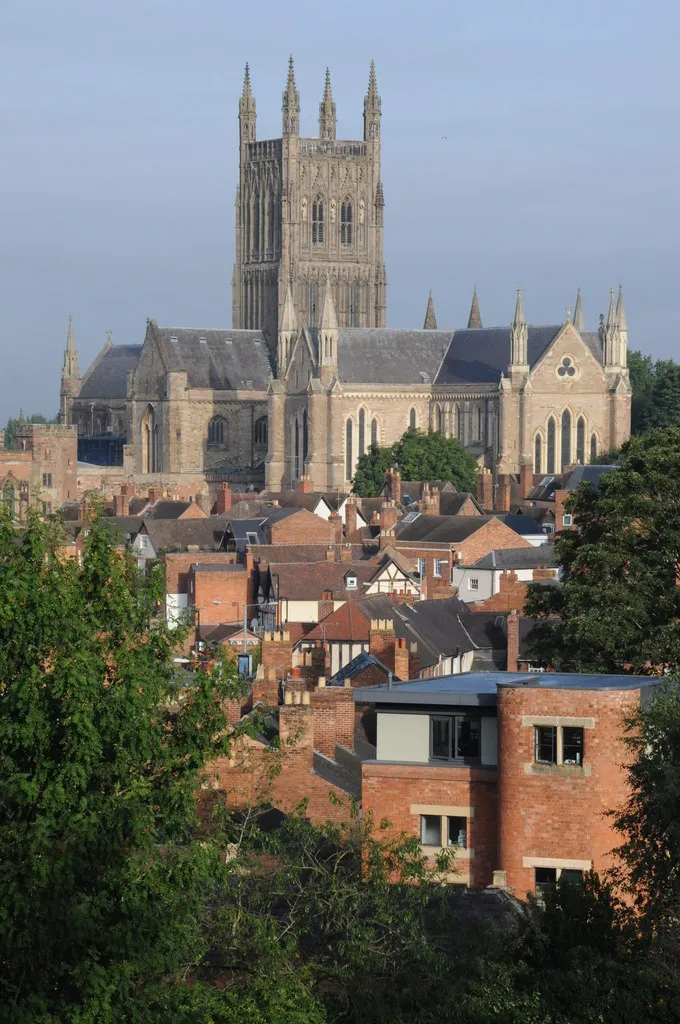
(249, 385)
(173, 337)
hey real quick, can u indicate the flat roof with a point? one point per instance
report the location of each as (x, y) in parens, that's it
(481, 688)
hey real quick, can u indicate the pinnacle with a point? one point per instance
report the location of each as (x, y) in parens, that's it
(611, 315)
(288, 316)
(328, 320)
(328, 92)
(246, 83)
(578, 320)
(290, 82)
(621, 311)
(430, 318)
(474, 320)
(519, 310)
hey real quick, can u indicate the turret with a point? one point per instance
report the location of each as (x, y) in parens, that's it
(519, 336)
(372, 112)
(579, 322)
(247, 116)
(327, 123)
(474, 320)
(430, 318)
(290, 107)
(610, 336)
(287, 332)
(622, 321)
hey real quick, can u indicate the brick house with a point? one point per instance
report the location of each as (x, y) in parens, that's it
(516, 771)
(482, 579)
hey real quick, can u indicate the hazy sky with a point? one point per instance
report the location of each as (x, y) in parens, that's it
(524, 141)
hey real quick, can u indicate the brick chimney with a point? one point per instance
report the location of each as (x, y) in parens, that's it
(560, 498)
(413, 661)
(304, 484)
(223, 499)
(333, 714)
(128, 489)
(296, 730)
(393, 477)
(502, 503)
(120, 505)
(336, 519)
(266, 687)
(485, 488)
(277, 651)
(526, 480)
(154, 495)
(351, 516)
(401, 659)
(389, 516)
(330, 553)
(381, 641)
(512, 627)
(429, 503)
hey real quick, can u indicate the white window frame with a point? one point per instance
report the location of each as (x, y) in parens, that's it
(473, 583)
(567, 519)
(437, 568)
(351, 583)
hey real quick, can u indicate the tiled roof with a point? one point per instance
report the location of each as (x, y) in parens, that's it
(587, 475)
(169, 509)
(177, 534)
(306, 552)
(108, 379)
(221, 359)
(306, 581)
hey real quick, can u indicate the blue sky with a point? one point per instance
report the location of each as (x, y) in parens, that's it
(525, 142)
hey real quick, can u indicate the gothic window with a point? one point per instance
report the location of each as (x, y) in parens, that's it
(550, 466)
(8, 497)
(566, 438)
(581, 440)
(256, 224)
(317, 222)
(362, 432)
(260, 430)
(459, 423)
(346, 223)
(305, 437)
(566, 369)
(438, 418)
(354, 305)
(349, 464)
(216, 432)
(593, 447)
(538, 453)
(412, 419)
(297, 450)
(149, 440)
(313, 304)
(478, 424)
(374, 432)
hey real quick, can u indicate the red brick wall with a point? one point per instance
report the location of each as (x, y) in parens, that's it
(177, 566)
(494, 535)
(381, 641)
(277, 652)
(389, 791)
(511, 594)
(561, 813)
(303, 527)
(333, 713)
(220, 596)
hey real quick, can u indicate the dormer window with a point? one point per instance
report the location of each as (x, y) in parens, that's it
(351, 582)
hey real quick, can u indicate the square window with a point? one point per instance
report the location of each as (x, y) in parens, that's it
(457, 832)
(437, 570)
(351, 583)
(251, 538)
(473, 583)
(571, 876)
(430, 830)
(545, 880)
(545, 740)
(441, 737)
(567, 519)
(572, 745)
(468, 736)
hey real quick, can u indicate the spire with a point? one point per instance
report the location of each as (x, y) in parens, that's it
(611, 314)
(247, 115)
(288, 314)
(579, 322)
(430, 318)
(287, 332)
(519, 335)
(71, 367)
(621, 312)
(328, 320)
(474, 320)
(327, 111)
(372, 107)
(611, 335)
(290, 107)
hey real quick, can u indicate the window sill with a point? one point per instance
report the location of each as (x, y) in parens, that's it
(461, 852)
(564, 770)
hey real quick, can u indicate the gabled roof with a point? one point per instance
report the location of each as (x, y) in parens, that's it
(519, 558)
(356, 666)
(168, 509)
(587, 475)
(108, 378)
(306, 581)
(480, 356)
(224, 360)
(520, 523)
(177, 534)
(443, 529)
(378, 355)
(451, 502)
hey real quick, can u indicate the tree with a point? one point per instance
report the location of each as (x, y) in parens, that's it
(618, 606)
(418, 456)
(103, 885)
(656, 392)
(12, 424)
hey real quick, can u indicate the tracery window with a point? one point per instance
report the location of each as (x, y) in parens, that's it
(349, 463)
(581, 440)
(566, 438)
(550, 461)
(260, 430)
(566, 369)
(8, 496)
(317, 222)
(346, 223)
(362, 432)
(538, 453)
(374, 432)
(216, 431)
(593, 447)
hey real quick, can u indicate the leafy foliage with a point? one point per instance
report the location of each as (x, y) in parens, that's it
(619, 603)
(13, 423)
(656, 392)
(418, 456)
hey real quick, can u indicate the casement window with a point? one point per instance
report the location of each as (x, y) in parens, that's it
(455, 738)
(443, 830)
(545, 880)
(251, 538)
(473, 583)
(47, 479)
(558, 744)
(438, 567)
(421, 567)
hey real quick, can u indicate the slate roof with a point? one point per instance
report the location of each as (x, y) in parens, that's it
(378, 355)
(451, 502)
(444, 529)
(306, 581)
(587, 475)
(307, 552)
(177, 534)
(521, 523)
(356, 666)
(168, 509)
(221, 359)
(519, 558)
(481, 355)
(108, 379)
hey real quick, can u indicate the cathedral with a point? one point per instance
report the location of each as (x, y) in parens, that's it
(309, 375)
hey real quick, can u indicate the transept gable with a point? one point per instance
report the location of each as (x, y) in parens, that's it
(567, 361)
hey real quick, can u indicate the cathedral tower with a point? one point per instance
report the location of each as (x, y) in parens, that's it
(309, 211)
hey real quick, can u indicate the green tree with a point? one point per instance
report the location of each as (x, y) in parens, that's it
(12, 424)
(618, 606)
(419, 456)
(642, 370)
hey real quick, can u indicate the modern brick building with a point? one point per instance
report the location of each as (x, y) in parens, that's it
(516, 771)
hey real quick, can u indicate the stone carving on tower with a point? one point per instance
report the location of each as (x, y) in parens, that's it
(309, 211)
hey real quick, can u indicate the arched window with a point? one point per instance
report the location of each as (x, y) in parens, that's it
(313, 304)
(149, 440)
(362, 432)
(566, 438)
(438, 418)
(305, 438)
(297, 450)
(317, 221)
(581, 440)
(374, 432)
(346, 223)
(256, 223)
(550, 461)
(260, 430)
(538, 453)
(412, 419)
(593, 447)
(349, 463)
(479, 433)
(459, 424)
(8, 496)
(216, 432)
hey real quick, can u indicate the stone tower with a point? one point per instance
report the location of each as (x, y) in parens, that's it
(308, 211)
(70, 375)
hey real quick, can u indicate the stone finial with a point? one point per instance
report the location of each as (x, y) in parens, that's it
(247, 115)
(290, 107)
(430, 318)
(519, 335)
(328, 321)
(578, 321)
(474, 320)
(372, 105)
(621, 312)
(327, 120)
(71, 366)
